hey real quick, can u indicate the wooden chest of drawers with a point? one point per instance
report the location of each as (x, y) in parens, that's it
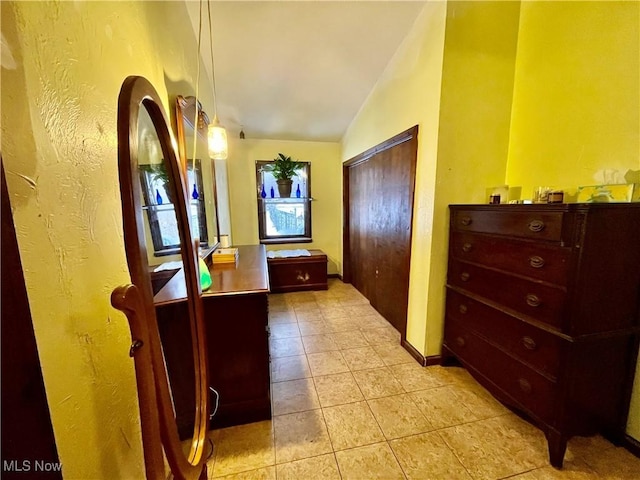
(543, 308)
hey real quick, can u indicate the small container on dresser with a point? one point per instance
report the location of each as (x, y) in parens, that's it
(543, 309)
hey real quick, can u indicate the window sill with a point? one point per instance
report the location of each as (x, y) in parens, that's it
(273, 241)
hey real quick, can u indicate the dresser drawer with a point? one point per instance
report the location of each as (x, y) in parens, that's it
(532, 391)
(534, 224)
(541, 261)
(542, 302)
(532, 345)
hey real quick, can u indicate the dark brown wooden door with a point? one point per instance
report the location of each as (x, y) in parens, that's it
(27, 435)
(379, 188)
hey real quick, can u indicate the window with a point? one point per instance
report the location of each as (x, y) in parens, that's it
(161, 215)
(282, 218)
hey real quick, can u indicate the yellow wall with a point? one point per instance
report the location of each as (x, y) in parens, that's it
(326, 189)
(576, 99)
(576, 102)
(407, 94)
(59, 147)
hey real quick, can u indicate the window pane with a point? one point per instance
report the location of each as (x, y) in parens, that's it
(168, 226)
(284, 218)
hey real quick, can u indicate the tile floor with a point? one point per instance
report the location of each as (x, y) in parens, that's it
(350, 403)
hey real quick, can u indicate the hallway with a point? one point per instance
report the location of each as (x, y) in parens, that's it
(350, 403)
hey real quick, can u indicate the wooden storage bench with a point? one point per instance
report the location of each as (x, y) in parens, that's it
(289, 274)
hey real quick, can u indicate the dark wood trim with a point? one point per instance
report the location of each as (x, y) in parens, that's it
(631, 444)
(334, 275)
(381, 147)
(421, 359)
(433, 360)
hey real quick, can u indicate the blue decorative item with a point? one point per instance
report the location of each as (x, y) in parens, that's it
(298, 191)
(158, 197)
(273, 194)
(195, 195)
(263, 194)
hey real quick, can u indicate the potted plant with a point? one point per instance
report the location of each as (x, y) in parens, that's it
(284, 169)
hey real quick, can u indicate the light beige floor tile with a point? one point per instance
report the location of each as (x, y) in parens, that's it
(377, 382)
(317, 327)
(393, 354)
(353, 299)
(370, 462)
(307, 308)
(333, 312)
(442, 407)
(362, 358)
(587, 447)
(267, 473)
(480, 401)
(289, 368)
(350, 339)
(300, 435)
(284, 330)
(342, 324)
(328, 302)
(282, 317)
(616, 463)
(243, 448)
(360, 310)
(337, 389)
(428, 456)
(377, 336)
(374, 321)
(351, 425)
(294, 396)
(497, 447)
(323, 467)
(326, 363)
(285, 347)
(319, 343)
(413, 376)
(309, 316)
(398, 416)
(572, 470)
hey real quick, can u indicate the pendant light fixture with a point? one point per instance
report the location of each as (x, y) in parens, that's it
(216, 135)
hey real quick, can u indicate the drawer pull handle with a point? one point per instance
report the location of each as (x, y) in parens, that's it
(463, 308)
(464, 276)
(529, 343)
(536, 261)
(533, 300)
(304, 277)
(466, 221)
(466, 248)
(460, 341)
(536, 225)
(524, 385)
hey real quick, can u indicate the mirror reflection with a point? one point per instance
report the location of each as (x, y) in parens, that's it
(165, 260)
(191, 127)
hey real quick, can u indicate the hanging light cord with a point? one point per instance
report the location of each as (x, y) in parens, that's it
(196, 124)
(213, 71)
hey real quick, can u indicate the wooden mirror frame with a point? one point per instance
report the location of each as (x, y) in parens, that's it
(159, 430)
(187, 111)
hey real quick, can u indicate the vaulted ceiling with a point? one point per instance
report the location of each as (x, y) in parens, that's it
(299, 70)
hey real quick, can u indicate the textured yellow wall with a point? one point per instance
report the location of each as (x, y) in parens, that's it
(59, 147)
(408, 94)
(326, 189)
(576, 99)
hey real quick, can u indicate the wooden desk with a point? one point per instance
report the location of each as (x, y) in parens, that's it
(236, 318)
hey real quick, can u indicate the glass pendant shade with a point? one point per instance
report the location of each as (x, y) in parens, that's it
(217, 137)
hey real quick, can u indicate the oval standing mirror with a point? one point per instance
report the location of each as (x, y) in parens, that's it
(191, 129)
(163, 264)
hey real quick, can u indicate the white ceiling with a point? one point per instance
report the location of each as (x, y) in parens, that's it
(299, 70)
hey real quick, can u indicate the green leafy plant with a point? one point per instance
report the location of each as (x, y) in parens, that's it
(283, 168)
(158, 172)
